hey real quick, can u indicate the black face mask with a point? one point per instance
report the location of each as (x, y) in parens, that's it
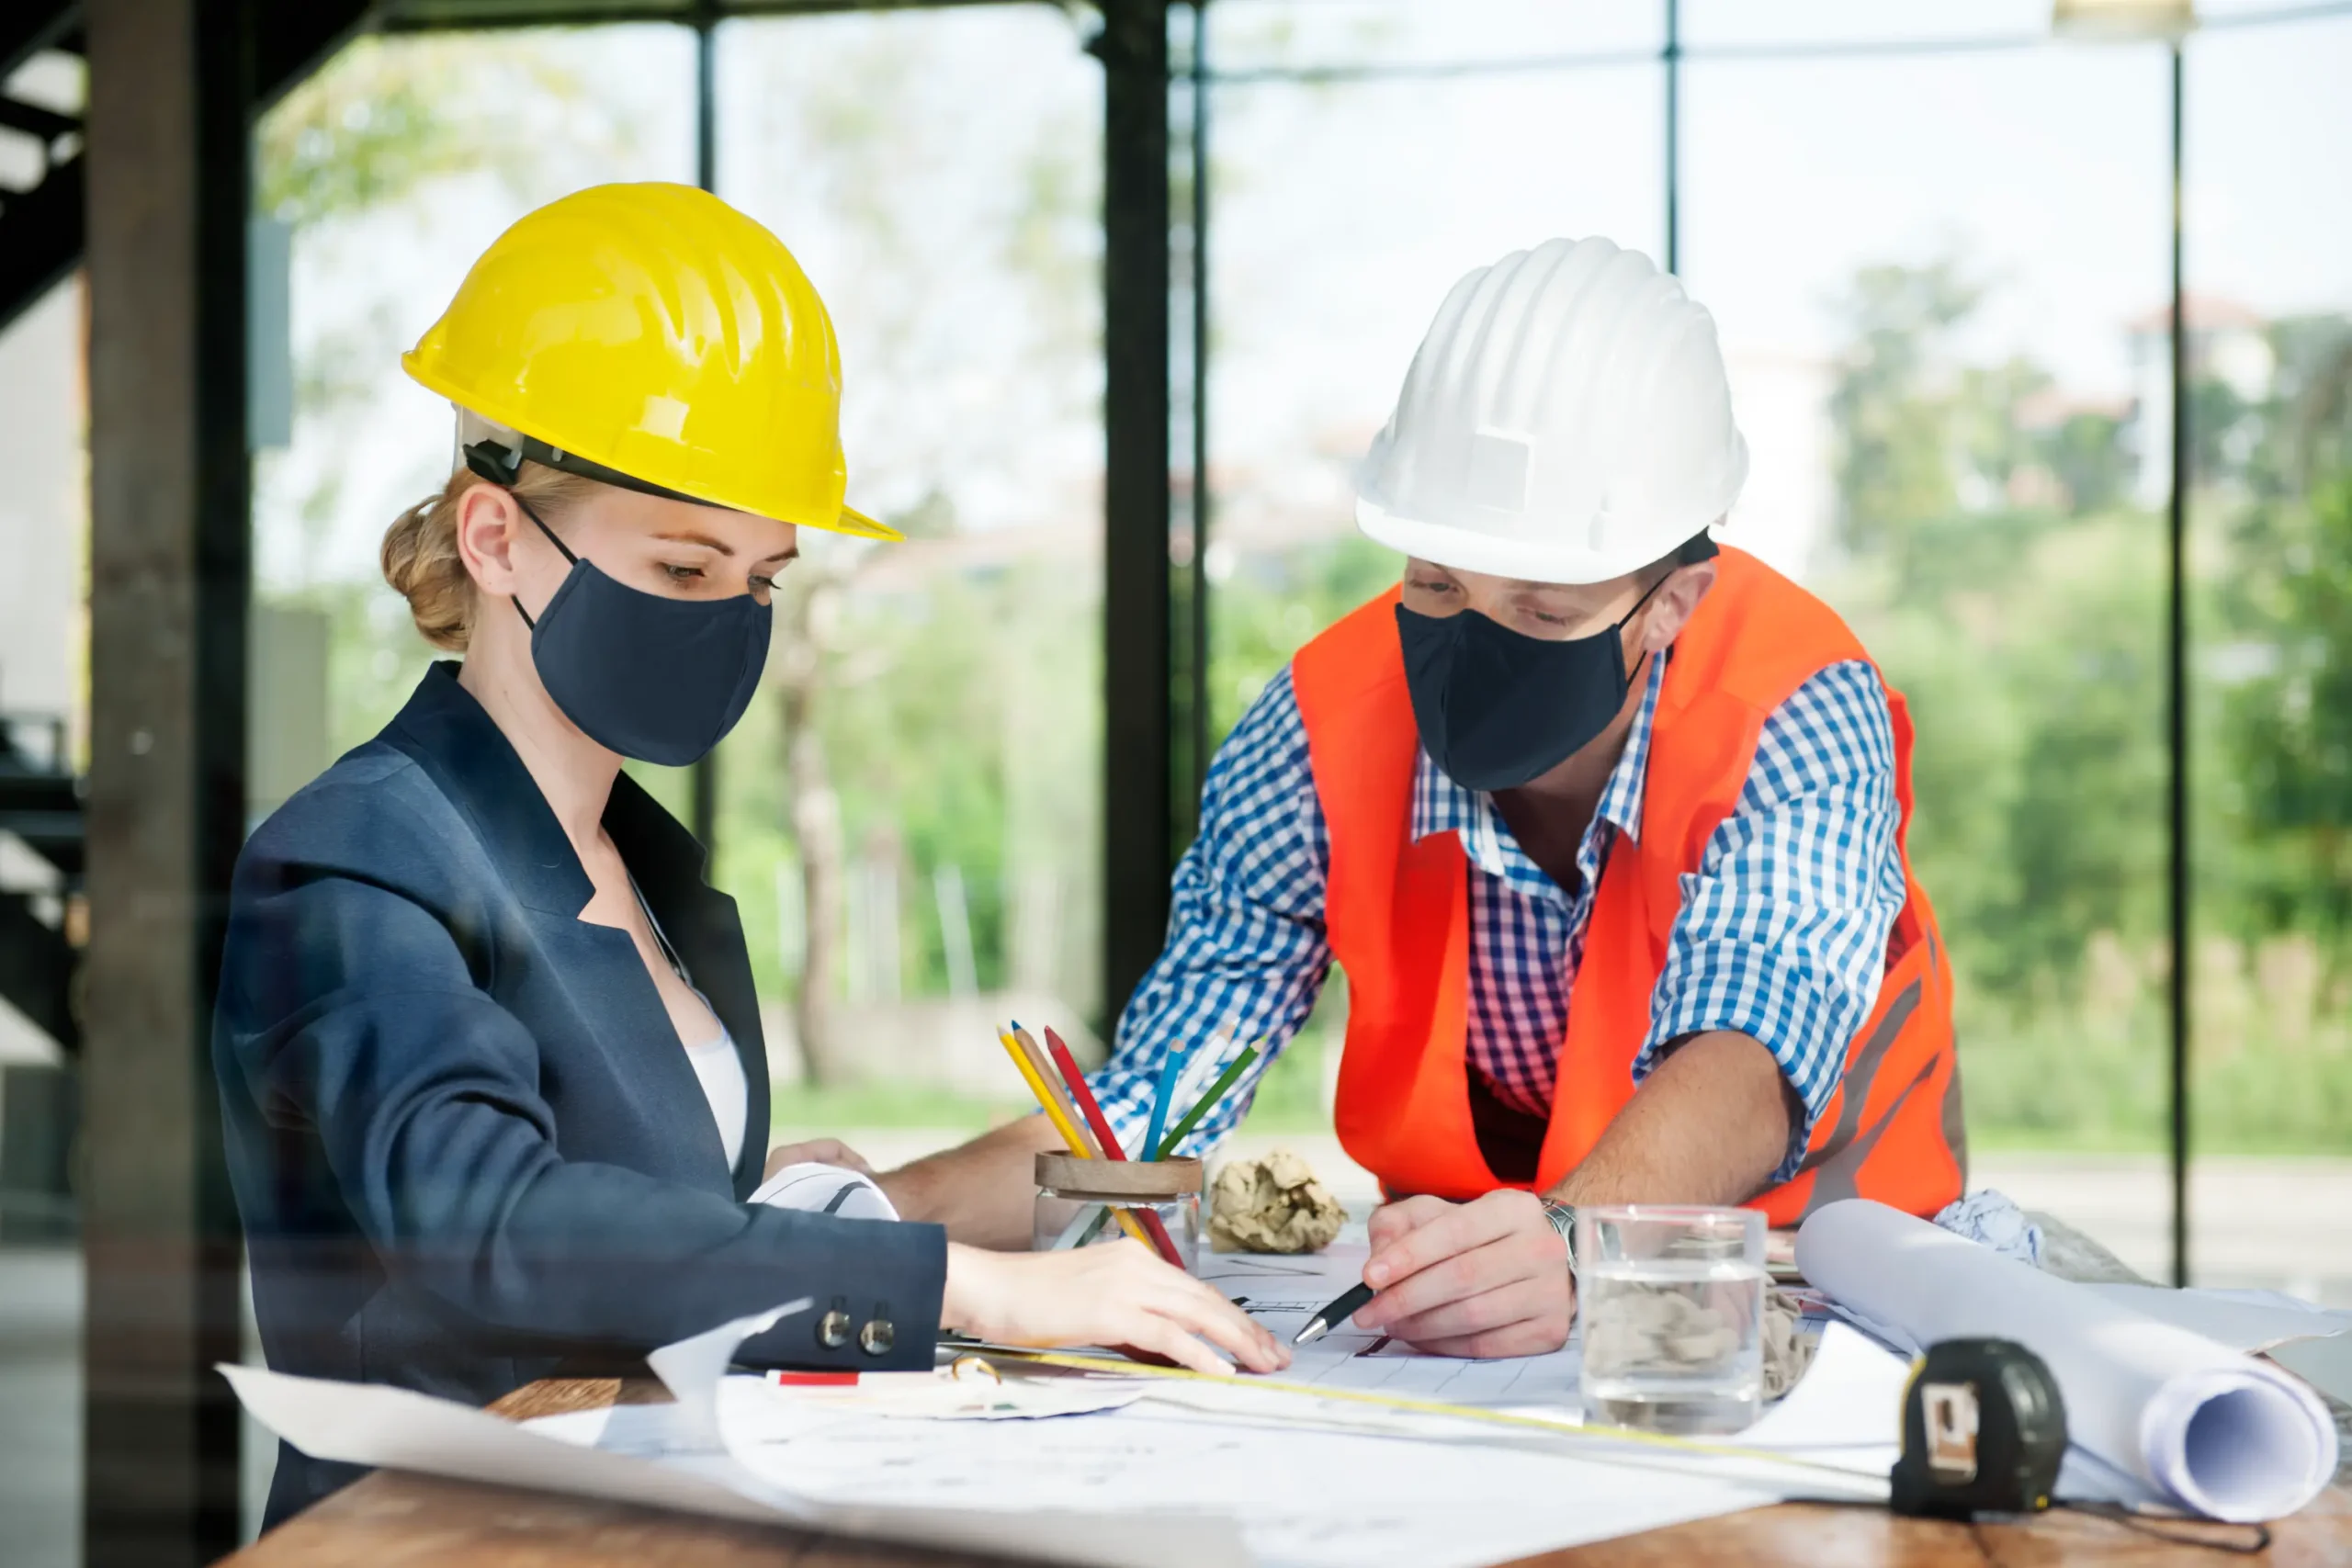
(660, 680)
(1497, 707)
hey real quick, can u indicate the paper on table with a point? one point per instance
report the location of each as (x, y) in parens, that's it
(2216, 1432)
(939, 1395)
(691, 1368)
(393, 1427)
(1302, 1498)
(1850, 1398)
(825, 1189)
(1320, 1500)
(2241, 1320)
(1282, 1293)
(373, 1424)
(2325, 1364)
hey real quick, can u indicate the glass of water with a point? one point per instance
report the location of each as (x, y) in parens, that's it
(1671, 1301)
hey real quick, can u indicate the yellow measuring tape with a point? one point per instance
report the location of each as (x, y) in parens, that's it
(1429, 1407)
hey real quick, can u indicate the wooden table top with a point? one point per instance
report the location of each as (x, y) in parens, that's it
(400, 1520)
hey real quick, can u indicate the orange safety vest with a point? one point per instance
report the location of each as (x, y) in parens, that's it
(1398, 917)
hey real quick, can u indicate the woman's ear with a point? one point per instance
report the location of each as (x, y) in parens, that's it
(487, 515)
(1678, 599)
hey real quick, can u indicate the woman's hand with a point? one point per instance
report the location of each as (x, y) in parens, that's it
(1117, 1294)
(816, 1151)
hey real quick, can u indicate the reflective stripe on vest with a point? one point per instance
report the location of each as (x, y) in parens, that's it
(1398, 917)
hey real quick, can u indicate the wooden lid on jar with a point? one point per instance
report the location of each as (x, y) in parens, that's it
(1075, 1178)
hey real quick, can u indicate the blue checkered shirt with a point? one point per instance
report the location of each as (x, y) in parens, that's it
(1781, 935)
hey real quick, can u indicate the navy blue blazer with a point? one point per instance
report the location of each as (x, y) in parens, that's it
(465, 1139)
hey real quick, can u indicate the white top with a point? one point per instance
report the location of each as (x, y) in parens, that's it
(717, 1066)
(723, 1084)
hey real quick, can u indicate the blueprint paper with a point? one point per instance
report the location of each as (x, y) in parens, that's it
(1196, 1473)
(1302, 1498)
(2209, 1430)
(1282, 1293)
(374, 1425)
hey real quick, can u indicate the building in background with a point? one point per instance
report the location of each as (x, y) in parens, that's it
(2229, 347)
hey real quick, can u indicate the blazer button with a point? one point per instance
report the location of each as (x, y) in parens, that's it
(877, 1337)
(833, 1329)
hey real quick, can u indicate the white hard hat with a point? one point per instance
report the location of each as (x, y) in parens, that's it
(1565, 419)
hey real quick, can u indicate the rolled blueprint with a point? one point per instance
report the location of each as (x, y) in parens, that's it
(2218, 1433)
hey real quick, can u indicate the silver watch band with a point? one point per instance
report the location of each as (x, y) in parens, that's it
(1562, 1218)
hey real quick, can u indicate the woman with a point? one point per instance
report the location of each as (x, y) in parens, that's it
(489, 1050)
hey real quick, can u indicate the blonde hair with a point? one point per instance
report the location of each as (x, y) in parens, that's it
(420, 555)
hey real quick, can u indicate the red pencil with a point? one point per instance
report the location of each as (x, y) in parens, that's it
(1067, 1064)
(1087, 1105)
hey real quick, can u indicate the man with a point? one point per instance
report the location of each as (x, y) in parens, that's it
(1605, 826)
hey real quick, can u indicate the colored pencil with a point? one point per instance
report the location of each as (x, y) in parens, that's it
(1084, 1097)
(1170, 1071)
(1053, 1080)
(1062, 1124)
(1046, 1101)
(1067, 1065)
(1206, 1063)
(1218, 1090)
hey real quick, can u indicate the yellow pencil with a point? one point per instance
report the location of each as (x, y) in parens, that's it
(1062, 1122)
(1046, 1075)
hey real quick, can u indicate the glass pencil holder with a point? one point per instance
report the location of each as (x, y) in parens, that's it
(1672, 1302)
(1080, 1202)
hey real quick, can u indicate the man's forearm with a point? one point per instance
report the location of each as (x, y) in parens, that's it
(1709, 1125)
(983, 1191)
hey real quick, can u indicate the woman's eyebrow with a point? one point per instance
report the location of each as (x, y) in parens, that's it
(791, 555)
(690, 537)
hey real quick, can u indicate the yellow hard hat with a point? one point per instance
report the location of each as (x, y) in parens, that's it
(652, 333)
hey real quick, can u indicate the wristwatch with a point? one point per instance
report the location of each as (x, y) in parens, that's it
(1561, 1217)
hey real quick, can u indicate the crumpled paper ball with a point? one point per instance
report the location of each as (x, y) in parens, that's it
(1272, 1205)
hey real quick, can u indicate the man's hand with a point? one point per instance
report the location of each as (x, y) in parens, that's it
(817, 1151)
(1486, 1278)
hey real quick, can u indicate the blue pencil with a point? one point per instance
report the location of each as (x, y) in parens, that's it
(1170, 1071)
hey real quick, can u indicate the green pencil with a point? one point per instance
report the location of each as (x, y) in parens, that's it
(1201, 1107)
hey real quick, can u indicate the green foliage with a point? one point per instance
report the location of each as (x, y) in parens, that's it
(1895, 459)
(378, 126)
(2030, 640)
(384, 118)
(1989, 555)
(2290, 727)
(1274, 604)
(809, 1111)
(962, 728)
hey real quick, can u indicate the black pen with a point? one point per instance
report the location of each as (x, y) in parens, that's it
(1331, 1317)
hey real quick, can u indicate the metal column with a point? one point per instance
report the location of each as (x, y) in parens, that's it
(704, 776)
(2177, 710)
(1671, 57)
(1138, 822)
(169, 90)
(1200, 641)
